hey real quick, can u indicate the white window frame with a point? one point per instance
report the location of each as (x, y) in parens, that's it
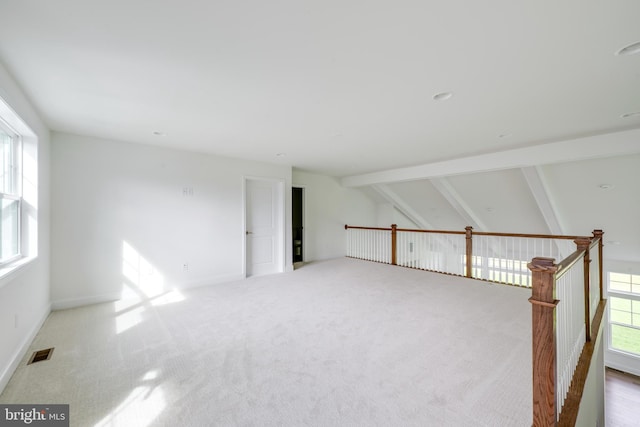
(615, 358)
(622, 295)
(29, 182)
(16, 194)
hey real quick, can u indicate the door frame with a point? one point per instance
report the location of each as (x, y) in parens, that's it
(304, 219)
(280, 250)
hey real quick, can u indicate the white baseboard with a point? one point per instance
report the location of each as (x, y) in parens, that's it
(622, 362)
(23, 348)
(82, 301)
(116, 296)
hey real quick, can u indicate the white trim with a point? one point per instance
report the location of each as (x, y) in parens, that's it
(20, 352)
(7, 271)
(457, 202)
(398, 203)
(614, 358)
(536, 182)
(621, 361)
(65, 304)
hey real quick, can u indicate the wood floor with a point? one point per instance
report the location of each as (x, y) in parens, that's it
(622, 399)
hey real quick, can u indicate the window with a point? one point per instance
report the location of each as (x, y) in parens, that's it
(10, 194)
(624, 312)
(513, 271)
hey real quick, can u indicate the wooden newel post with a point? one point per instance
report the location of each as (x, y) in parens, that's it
(597, 234)
(583, 245)
(543, 312)
(469, 251)
(394, 245)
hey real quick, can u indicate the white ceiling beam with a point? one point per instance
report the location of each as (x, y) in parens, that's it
(457, 202)
(397, 202)
(606, 145)
(537, 184)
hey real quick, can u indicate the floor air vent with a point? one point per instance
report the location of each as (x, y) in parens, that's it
(40, 355)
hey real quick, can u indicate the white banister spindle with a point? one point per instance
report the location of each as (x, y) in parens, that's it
(570, 329)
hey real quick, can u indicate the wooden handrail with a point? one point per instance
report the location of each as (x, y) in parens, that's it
(355, 227)
(565, 265)
(535, 236)
(492, 234)
(412, 230)
(477, 233)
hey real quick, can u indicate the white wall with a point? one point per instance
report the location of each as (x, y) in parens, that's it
(592, 405)
(121, 220)
(328, 207)
(24, 293)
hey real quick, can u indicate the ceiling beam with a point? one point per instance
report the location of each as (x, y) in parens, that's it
(402, 206)
(606, 145)
(536, 181)
(457, 202)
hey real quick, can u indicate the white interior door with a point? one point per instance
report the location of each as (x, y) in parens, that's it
(264, 227)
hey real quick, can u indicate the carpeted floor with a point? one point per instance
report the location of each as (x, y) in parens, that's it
(336, 343)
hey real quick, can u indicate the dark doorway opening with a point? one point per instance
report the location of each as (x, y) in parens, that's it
(297, 221)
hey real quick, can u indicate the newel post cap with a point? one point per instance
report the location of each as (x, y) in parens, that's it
(543, 264)
(582, 243)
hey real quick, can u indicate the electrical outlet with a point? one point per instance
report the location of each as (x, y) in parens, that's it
(187, 191)
(185, 266)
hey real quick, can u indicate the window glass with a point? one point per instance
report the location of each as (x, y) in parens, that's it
(624, 312)
(10, 197)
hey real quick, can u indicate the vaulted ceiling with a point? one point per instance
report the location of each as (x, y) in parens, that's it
(562, 198)
(356, 88)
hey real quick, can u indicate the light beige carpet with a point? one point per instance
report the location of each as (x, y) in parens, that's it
(336, 343)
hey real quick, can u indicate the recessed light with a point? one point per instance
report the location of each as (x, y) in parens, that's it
(490, 209)
(605, 186)
(158, 133)
(442, 96)
(281, 154)
(634, 114)
(631, 49)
